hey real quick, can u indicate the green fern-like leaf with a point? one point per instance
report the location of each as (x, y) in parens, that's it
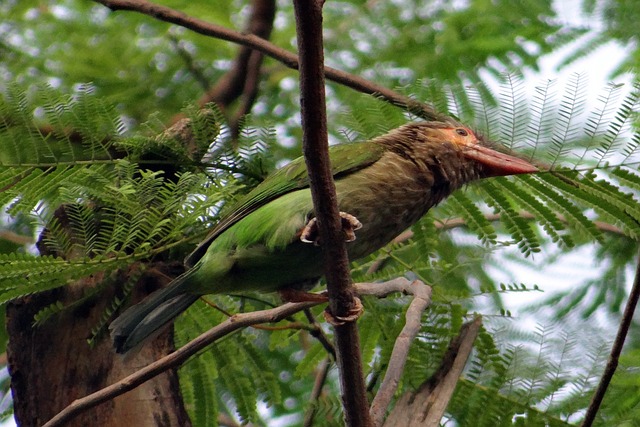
(547, 218)
(514, 114)
(627, 178)
(460, 204)
(543, 107)
(517, 226)
(571, 106)
(611, 205)
(484, 111)
(561, 204)
(22, 275)
(265, 380)
(22, 141)
(371, 117)
(613, 197)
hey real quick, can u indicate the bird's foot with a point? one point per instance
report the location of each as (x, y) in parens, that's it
(296, 295)
(354, 313)
(350, 224)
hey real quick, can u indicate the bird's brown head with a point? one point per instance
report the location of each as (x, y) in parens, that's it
(456, 150)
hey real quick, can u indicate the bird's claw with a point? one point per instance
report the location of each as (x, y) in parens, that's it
(354, 313)
(350, 224)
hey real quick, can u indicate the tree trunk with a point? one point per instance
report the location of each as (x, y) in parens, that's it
(52, 365)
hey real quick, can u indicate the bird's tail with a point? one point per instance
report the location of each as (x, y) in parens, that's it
(142, 320)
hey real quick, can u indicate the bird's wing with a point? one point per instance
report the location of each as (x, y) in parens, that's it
(345, 159)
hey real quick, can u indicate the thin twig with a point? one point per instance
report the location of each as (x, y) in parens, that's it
(287, 58)
(421, 300)
(616, 350)
(317, 332)
(16, 238)
(321, 378)
(448, 224)
(189, 62)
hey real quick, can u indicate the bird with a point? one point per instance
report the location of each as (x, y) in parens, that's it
(269, 242)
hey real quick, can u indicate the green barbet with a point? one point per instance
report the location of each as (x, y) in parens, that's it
(269, 242)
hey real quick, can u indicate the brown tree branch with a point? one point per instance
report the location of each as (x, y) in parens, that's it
(342, 299)
(421, 300)
(616, 350)
(448, 224)
(16, 238)
(242, 80)
(246, 66)
(181, 355)
(287, 58)
(321, 378)
(176, 358)
(249, 92)
(426, 406)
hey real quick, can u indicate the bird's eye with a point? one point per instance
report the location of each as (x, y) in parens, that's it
(462, 132)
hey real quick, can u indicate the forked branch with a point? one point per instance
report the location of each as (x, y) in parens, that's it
(181, 355)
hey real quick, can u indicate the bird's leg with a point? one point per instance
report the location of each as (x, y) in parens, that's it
(350, 224)
(298, 295)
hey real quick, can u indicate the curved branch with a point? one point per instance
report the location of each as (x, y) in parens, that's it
(181, 355)
(242, 80)
(421, 300)
(176, 358)
(282, 55)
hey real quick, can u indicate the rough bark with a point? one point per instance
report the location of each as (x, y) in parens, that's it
(53, 364)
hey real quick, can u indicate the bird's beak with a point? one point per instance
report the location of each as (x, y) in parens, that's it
(497, 163)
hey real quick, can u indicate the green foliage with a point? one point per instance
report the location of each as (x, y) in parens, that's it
(615, 20)
(44, 127)
(112, 192)
(241, 369)
(101, 213)
(452, 40)
(76, 41)
(117, 212)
